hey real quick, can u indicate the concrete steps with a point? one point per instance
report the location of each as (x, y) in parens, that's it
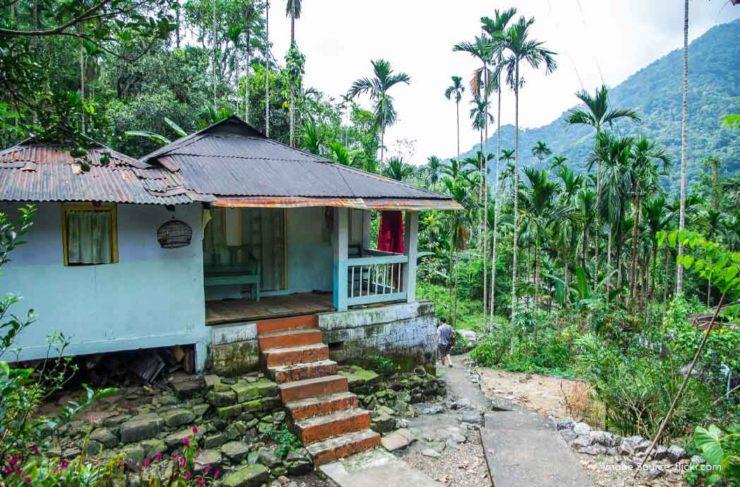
(321, 405)
(290, 338)
(323, 413)
(295, 355)
(289, 373)
(332, 449)
(332, 425)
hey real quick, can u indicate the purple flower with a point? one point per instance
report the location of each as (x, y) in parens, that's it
(158, 456)
(195, 430)
(186, 441)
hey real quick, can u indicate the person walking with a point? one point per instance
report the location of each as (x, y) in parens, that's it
(445, 341)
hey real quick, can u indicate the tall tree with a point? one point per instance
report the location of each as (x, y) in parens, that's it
(293, 10)
(597, 114)
(684, 142)
(456, 90)
(496, 28)
(520, 47)
(541, 150)
(377, 89)
(482, 49)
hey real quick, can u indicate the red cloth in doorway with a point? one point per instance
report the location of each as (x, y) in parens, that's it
(390, 235)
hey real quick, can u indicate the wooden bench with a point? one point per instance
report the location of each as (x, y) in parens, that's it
(234, 276)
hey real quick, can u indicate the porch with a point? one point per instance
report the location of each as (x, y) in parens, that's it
(298, 261)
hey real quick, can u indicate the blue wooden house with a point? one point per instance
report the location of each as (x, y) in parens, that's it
(200, 241)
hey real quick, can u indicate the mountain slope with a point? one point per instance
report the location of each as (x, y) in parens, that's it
(655, 91)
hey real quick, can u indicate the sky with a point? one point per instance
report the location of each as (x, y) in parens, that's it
(596, 41)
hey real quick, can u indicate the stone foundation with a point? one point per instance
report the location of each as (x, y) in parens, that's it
(403, 333)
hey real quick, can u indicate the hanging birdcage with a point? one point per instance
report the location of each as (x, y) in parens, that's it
(174, 234)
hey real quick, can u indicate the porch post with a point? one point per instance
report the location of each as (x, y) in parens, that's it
(365, 229)
(340, 242)
(411, 240)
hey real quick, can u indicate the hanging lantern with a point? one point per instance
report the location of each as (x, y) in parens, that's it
(174, 234)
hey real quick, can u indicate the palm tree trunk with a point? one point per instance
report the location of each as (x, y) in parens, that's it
(246, 73)
(667, 275)
(267, 69)
(457, 106)
(515, 242)
(684, 141)
(496, 206)
(484, 249)
(635, 238)
(382, 144)
(536, 280)
(609, 261)
(292, 87)
(177, 19)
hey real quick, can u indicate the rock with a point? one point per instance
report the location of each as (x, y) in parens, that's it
(133, 454)
(187, 386)
(401, 438)
(249, 391)
(431, 453)
(206, 458)
(676, 453)
(235, 451)
(605, 438)
(221, 398)
(633, 444)
(104, 436)
(651, 472)
(178, 417)
(117, 420)
(141, 427)
(383, 423)
(201, 410)
(358, 377)
(472, 417)
(698, 460)
(582, 441)
(582, 429)
(660, 453)
(152, 447)
(568, 435)
(94, 448)
(267, 457)
(564, 424)
(594, 450)
(175, 440)
(214, 440)
(227, 412)
(251, 476)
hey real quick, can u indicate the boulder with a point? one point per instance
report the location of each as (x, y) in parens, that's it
(175, 440)
(178, 417)
(431, 453)
(582, 441)
(660, 453)
(605, 438)
(141, 427)
(268, 457)
(472, 416)
(564, 424)
(207, 458)
(676, 453)
(104, 436)
(383, 423)
(94, 448)
(214, 440)
(633, 444)
(568, 435)
(187, 386)
(250, 476)
(221, 398)
(401, 438)
(298, 462)
(582, 429)
(133, 454)
(228, 412)
(235, 451)
(249, 391)
(153, 446)
(594, 450)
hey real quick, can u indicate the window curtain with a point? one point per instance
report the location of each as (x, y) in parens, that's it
(390, 235)
(89, 237)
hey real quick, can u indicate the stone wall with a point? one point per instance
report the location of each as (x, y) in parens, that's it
(234, 349)
(402, 332)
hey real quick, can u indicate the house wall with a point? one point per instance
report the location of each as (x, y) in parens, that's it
(152, 297)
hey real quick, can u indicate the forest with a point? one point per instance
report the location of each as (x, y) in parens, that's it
(605, 263)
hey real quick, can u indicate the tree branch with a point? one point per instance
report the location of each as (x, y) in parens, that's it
(86, 15)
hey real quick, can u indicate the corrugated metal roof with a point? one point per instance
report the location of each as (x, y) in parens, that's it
(231, 159)
(38, 172)
(358, 203)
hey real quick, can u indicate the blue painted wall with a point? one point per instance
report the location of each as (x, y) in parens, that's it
(152, 297)
(309, 251)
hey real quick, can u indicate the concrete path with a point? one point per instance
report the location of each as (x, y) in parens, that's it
(375, 468)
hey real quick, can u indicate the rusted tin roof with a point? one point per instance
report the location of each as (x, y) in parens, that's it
(38, 172)
(236, 164)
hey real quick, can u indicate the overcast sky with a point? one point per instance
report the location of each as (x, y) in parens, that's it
(595, 40)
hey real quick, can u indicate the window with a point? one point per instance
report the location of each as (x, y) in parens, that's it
(89, 234)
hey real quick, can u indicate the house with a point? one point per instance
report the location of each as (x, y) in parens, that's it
(205, 241)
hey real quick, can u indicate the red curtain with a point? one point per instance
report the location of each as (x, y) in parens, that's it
(390, 235)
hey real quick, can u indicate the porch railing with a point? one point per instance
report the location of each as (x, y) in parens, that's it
(376, 279)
